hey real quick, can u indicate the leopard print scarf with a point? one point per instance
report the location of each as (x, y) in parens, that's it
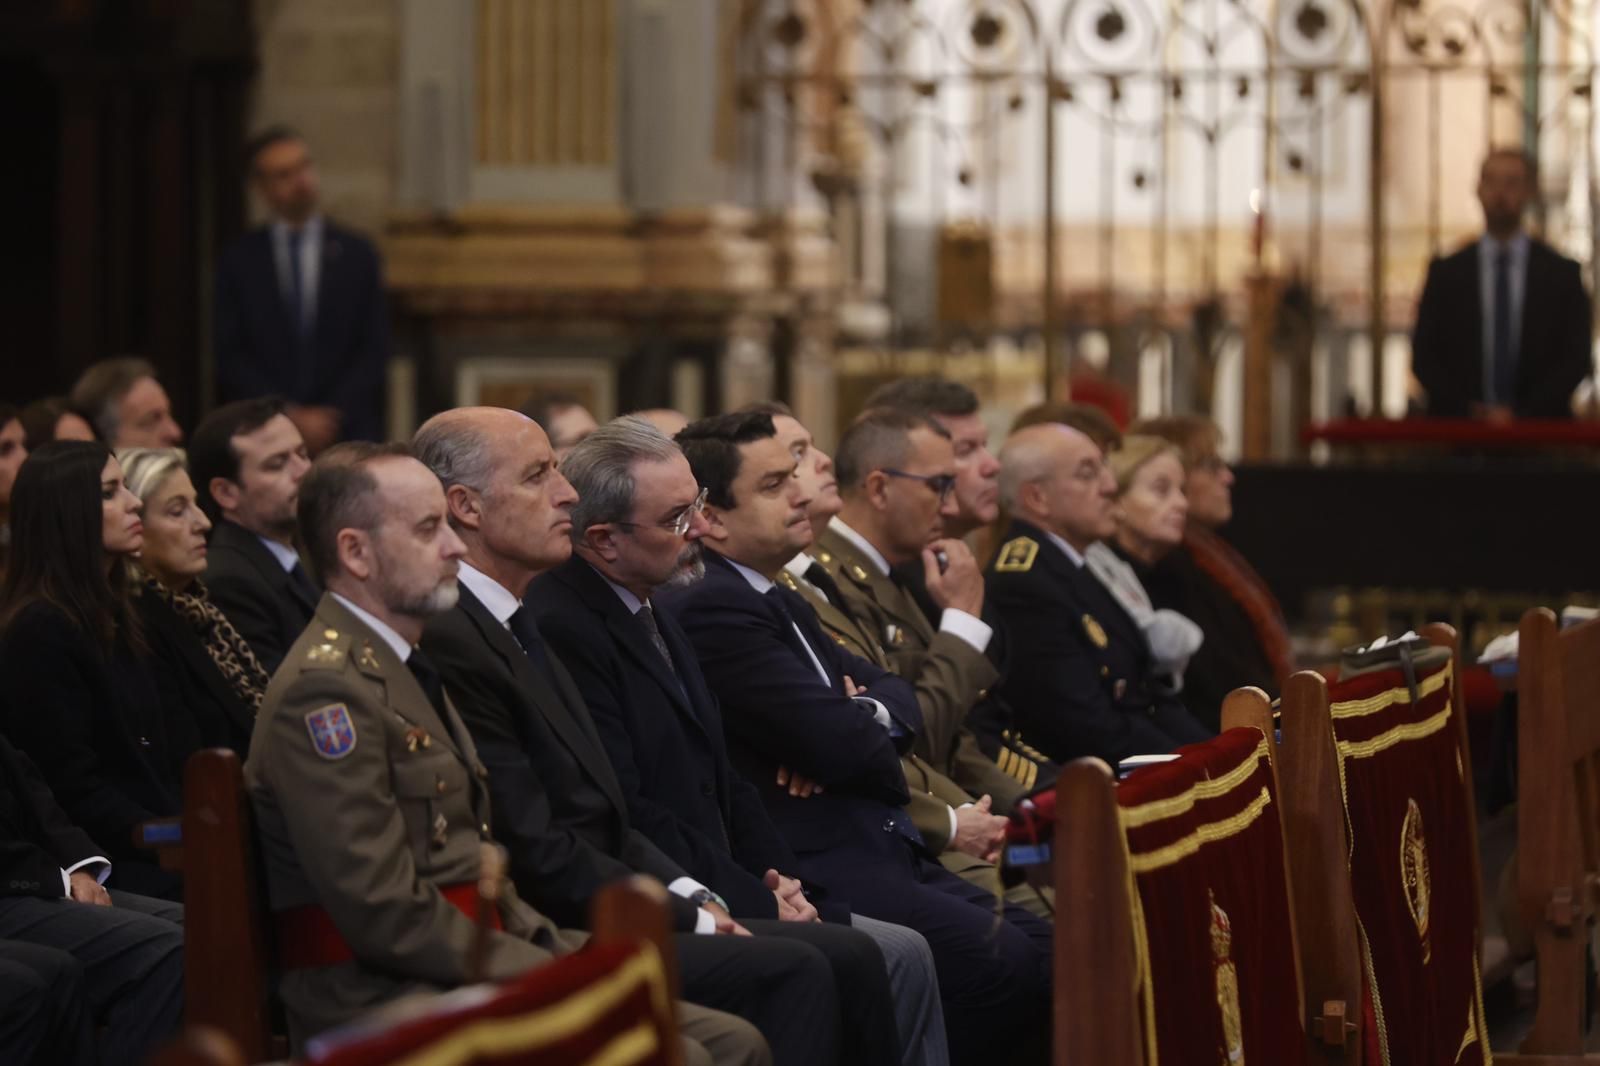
(228, 650)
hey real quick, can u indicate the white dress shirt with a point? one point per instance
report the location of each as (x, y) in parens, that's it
(310, 265)
(287, 557)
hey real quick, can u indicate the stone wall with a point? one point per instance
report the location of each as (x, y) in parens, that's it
(331, 71)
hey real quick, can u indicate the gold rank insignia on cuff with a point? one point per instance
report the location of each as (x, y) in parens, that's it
(1016, 556)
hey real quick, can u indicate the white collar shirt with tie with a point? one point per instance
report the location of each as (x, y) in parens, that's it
(310, 266)
(1517, 266)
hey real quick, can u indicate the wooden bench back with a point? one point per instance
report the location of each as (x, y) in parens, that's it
(1180, 896)
(1558, 818)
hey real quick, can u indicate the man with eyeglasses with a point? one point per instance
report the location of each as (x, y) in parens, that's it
(896, 478)
(1080, 675)
(558, 807)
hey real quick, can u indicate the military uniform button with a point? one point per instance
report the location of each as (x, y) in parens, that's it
(483, 774)
(442, 786)
(1105, 671)
(888, 825)
(484, 828)
(707, 789)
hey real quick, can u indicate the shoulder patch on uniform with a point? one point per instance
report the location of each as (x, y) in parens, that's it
(1016, 556)
(332, 730)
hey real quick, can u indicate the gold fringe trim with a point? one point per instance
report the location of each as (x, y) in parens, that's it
(1361, 749)
(1156, 810)
(1384, 700)
(1208, 833)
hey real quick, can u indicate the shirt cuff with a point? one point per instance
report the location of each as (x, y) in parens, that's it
(880, 713)
(686, 887)
(953, 826)
(100, 875)
(974, 631)
(704, 924)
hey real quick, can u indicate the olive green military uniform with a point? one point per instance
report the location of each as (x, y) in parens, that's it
(950, 675)
(932, 793)
(368, 804)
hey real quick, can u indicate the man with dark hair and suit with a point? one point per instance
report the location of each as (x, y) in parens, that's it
(370, 800)
(300, 309)
(87, 956)
(1503, 327)
(246, 461)
(1080, 674)
(795, 703)
(559, 808)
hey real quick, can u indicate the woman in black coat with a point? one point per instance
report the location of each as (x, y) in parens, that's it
(203, 665)
(80, 694)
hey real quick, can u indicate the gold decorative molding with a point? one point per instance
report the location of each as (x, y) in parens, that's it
(546, 83)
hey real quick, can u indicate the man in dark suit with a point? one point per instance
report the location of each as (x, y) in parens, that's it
(1503, 327)
(247, 460)
(1080, 672)
(300, 310)
(796, 703)
(127, 949)
(558, 807)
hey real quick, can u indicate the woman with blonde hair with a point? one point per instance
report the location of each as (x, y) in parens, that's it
(205, 665)
(1150, 511)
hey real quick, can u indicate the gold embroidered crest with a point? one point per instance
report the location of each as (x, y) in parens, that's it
(1016, 556)
(322, 655)
(368, 659)
(1096, 632)
(1227, 984)
(1414, 873)
(857, 573)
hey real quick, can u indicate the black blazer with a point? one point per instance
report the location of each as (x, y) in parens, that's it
(1081, 679)
(187, 677)
(37, 839)
(258, 596)
(259, 354)
(779, 712)
(93, 721)
(1554, 352)
(556, 803)
(665, 739)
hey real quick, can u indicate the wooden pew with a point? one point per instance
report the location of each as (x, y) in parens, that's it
(1326, 732)
(1558, 824)
(1132, 863)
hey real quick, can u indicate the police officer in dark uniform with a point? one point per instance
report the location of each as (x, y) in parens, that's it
(1080, 673)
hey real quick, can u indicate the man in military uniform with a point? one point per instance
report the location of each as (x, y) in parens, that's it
(1080, 673)
(961, 830)
(368, 792)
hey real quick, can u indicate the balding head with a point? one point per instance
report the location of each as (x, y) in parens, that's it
(506, 497)
(1055, 477)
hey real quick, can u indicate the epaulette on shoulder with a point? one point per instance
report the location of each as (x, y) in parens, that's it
(328, 652)
(1016, 556)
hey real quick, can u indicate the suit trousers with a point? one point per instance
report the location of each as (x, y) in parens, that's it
(712, 1038)
(131, 955)
(44, 1009)
(914, 985)
(993, 964)
(784, 988)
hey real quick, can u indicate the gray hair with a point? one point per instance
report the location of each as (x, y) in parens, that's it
(145, 469)
(456, 450)
(600, 468)
(1025, 458)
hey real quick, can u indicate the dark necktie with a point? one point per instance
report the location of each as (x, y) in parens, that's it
(525, 628)
(1505, 357)
(302, 583)
(648, 617)
(823, 582)
(297, 299)
(427, 676)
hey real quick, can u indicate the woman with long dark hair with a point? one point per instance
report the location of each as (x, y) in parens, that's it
(74, 668)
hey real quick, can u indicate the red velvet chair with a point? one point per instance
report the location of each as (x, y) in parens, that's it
(1180, 898)
(1383, 853)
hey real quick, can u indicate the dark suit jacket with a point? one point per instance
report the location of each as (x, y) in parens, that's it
(93, 721)
(556, 803)
(259, 353)
(187, 677)
(1554, 352)
(1081, 678)
(779, 712)
(665, 740)
(37, 839)
(256, 594)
